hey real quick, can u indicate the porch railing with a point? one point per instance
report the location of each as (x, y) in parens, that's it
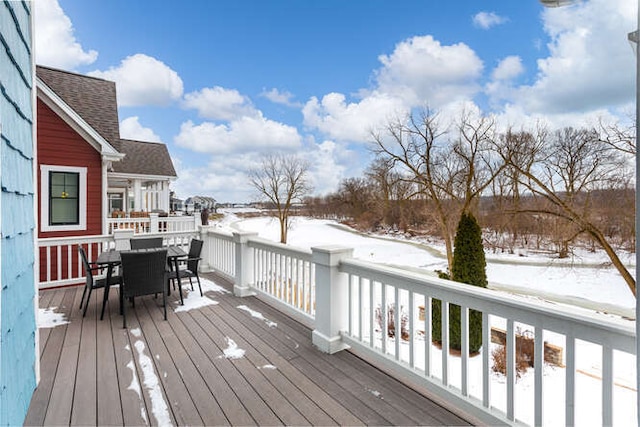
(154, 224)
(385, 315)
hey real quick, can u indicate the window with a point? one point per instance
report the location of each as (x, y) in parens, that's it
(116, 201)
(63, 202)
(64, 188)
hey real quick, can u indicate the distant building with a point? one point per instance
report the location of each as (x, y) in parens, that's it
(197, 203)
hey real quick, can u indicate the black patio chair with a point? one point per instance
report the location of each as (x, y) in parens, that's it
(146, 243)
(192, 261)
(143, 273)
(93, 283)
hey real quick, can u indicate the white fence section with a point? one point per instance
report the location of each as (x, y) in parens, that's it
(154, 224)
(60, 263)
(385, 315)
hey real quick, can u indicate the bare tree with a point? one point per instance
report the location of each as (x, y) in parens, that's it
(564, 169)
(283, 181)
(451, 169)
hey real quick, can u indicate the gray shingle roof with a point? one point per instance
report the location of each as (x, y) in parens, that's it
(94, 100)
(146, 158)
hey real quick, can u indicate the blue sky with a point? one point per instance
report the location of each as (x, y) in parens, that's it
(223, 82)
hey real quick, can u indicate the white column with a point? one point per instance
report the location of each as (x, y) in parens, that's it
(105, 199)
(153, 222)
(331, 297)
(244, 263)
(137, 195)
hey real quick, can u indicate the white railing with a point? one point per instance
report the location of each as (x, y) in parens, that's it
(352, 303)
(219, 253)
(285, 274)
(60, 263)
(154, 224)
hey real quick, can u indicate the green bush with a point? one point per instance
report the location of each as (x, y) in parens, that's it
(469, 266)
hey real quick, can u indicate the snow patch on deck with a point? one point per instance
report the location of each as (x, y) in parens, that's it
(48, 318)
(258, 315)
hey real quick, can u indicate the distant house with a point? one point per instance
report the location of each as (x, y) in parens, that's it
(19, 356)
(198, 203)
(86, 172)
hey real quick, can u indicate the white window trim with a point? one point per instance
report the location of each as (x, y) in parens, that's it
(44, 198)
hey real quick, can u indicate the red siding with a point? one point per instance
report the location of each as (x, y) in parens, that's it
(59, 144)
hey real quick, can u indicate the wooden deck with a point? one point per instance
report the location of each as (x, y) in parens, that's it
(175, 372)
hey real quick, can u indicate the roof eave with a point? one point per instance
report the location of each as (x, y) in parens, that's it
(141, 176)
(77, 123)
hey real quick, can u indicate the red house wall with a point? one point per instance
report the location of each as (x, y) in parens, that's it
(59, 144)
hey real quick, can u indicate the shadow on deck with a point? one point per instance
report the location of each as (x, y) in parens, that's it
(236, 361)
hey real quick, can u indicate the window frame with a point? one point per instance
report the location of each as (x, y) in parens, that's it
(45, 198)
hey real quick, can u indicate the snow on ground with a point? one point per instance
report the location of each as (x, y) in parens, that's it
(48, 318)
(581, 281)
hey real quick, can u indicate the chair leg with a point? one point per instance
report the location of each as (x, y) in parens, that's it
(86, 304)
(199, 286)
(104, 300)
(124, 318)
(180, 289)
(191, 283)
(164, 304)
(84, 291)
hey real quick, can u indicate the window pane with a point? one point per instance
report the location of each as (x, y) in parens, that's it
(63, 198)
(64, 211)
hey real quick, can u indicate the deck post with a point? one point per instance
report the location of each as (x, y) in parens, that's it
(207, 250)
(331, 297)
(154, 222)
(244, 263)
(122, 238)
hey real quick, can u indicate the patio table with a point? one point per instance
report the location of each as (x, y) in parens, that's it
(111, 259)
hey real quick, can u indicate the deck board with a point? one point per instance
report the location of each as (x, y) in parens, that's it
(155, 372)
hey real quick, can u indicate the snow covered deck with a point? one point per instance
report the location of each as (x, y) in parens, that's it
(218, 360)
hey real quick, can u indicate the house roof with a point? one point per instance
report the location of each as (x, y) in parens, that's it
(145, 158)
(94, 101)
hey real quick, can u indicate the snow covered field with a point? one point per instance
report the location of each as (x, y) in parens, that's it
(582, 281)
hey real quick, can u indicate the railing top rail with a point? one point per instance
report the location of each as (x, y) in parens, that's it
(582, 325)
(260, 243)
(223, 235)
(70, 240)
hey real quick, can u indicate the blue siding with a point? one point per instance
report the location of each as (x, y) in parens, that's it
(17, 222)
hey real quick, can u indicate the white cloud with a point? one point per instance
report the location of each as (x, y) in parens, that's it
(328, 166)
(278, 97)
(241, 135)
(420, 71)
(218, 103)
(130, 128)
(591, 65)
(351, 121)
(143, 80)
(56, 44)
(486, 20)
(508, 68)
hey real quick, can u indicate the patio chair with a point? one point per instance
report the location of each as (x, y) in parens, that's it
(146, 243)
(191, 270)
(143, 273)
(93, 283)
